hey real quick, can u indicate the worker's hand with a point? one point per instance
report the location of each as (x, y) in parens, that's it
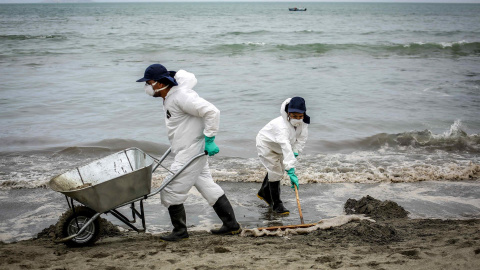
(295, 154)
(293, 177)
(210, 147)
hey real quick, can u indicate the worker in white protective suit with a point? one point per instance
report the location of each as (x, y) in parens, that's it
(278, 145)
(192, 123)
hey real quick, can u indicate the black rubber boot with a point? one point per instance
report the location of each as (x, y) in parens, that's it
(179, 222)
(224, 210)
(264, 192)
(277, 203)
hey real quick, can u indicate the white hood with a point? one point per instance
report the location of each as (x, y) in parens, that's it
(185, 79)
(283, 113)
(188, 117)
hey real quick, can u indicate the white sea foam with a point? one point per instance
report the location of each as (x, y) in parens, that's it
(441, 44)
(404, 157)
(357, 167)
(256, 43)
(450, 44)
(416, 43)
(362, 167)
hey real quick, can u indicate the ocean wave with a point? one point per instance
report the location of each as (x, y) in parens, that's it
(431, 45)
(404, 157)
(28, 37)
(359, 167)
(266, 32)
(246, 33)
(113, 145)
(13, 184)
(309, 32)
(459, 48)
(35, 145)
(396, 32)
(34, 168)
(367, 167)
(398, 170)
(453, 140)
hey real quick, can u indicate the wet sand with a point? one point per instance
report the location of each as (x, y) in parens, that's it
(26, 212)
(392, 242)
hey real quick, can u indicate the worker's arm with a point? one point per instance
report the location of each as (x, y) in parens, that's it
(199, 107)
(300, 142)
(289, 159)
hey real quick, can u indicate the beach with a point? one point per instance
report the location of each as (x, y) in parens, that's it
(391, 89)
(387, 243)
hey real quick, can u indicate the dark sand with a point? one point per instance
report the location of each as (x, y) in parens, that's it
(392, 242)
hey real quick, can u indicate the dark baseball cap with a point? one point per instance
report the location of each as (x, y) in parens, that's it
(297, 104)
(158, 72)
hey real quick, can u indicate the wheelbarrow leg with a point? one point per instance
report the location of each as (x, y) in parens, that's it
(140, 214)
(143, 215)
(71, 206)
(127, 222)
(132, 206)
(74, 214)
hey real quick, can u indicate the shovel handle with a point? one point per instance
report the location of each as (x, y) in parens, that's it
(298, 204)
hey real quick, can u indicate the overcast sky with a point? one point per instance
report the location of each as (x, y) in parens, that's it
(302, 1)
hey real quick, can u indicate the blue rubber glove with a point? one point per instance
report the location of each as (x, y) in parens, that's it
(293, 177)
(210, 147)
(295, 154)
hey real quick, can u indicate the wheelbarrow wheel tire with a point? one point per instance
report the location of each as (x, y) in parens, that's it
(67, 225)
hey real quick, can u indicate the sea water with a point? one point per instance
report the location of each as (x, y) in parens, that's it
(392, 88)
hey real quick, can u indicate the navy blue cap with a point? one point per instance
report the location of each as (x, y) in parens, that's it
(297, 104)
(158, 72)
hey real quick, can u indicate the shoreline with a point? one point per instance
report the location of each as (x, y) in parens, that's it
(25, 212)
(388, 240)
(385, 244)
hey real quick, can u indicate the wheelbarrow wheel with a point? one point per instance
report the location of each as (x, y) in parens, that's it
(67, 226)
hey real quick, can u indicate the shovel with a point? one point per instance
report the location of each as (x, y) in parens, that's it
(298, 204)
(302, 225)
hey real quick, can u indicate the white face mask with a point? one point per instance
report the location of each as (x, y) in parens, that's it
(149, 89)
(296, 122)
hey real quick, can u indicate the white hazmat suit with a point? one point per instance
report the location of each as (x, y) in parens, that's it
(188, 118)
(276, 143)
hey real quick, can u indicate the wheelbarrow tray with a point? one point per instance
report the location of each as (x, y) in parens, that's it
(108, 182)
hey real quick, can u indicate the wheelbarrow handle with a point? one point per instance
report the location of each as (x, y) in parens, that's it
(168, 180)
(162, 158)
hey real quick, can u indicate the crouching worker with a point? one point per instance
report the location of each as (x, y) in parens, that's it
(278, 145)
(192, 123)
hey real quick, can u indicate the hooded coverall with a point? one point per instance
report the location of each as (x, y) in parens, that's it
(276, 143)
(188, 119)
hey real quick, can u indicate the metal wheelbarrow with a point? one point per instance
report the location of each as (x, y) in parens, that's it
(104, 185)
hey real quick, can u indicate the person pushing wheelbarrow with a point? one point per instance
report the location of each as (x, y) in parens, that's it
(192, 123)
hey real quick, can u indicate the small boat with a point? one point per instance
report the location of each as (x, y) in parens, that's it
(297, 9)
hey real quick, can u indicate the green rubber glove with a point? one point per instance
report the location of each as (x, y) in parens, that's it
(295, 154)
(293, 177)
(210, 147)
